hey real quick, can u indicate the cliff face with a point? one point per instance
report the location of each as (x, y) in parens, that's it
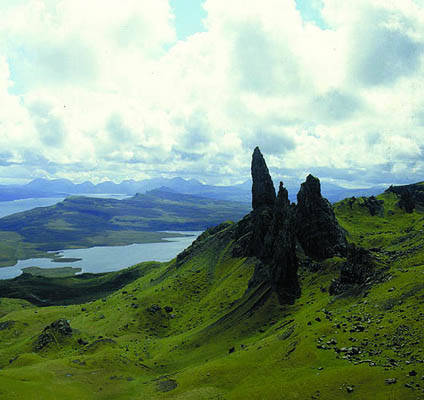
(280, 246)
(318, 231)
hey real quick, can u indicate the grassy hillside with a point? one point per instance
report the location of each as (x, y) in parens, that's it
(192, 330)
(79, 222)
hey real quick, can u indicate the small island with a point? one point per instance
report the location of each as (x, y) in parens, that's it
(61, 272)
(66, 260)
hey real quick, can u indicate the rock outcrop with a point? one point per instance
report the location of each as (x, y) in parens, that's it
(54, 333)
(253, 228)
(263, 191)
(280, 245)
(318, 231)
(268, 234)
(374, 206)
(410, 196)
(359, 267)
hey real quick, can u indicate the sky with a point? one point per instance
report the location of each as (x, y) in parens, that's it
(108, 90)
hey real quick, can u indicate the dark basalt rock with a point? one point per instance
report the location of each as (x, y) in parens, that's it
(358, 267)
(268, 234)
(263, 192)
(251, 231)
(53, 333)
(280, 247)
(374, 206)
(410, 196)
(262, 220)
(318, 231)
(271, 231)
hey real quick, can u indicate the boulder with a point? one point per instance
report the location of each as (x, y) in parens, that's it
(54, 333)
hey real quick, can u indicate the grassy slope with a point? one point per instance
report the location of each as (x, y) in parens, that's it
(44, 290)
(79, 222)
(275, 347)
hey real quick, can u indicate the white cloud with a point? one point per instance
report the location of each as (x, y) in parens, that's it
(103, 89)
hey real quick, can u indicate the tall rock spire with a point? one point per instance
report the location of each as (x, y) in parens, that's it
(268, 233)
(263, 191)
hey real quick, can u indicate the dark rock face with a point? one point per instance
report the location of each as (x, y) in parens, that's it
(263, 192)
(251, 231)
(53, 333)
(318, 231)
(358, 267)
(262, 220)
(374, 206)
(268, 234)
(280, 246)
(410, 196)
(271, 231)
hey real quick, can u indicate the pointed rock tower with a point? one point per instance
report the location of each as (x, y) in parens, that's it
(263, 192)
(268, 234)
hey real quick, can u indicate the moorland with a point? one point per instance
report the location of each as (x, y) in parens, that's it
(305, 301)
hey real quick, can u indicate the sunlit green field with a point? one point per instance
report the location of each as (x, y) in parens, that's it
(218, 340)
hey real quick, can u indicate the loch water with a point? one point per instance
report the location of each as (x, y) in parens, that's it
(109, 258)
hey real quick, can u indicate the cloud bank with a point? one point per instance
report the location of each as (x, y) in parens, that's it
(95, 90)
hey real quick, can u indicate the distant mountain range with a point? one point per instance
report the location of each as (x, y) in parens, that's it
(39, 188)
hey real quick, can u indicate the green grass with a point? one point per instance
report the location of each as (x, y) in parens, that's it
(275, 347)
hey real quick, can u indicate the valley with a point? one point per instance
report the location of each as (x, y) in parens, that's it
(214, 324)
(80, 222)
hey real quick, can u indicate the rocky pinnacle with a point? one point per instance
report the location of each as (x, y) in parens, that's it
(281, 244)
(263, 192)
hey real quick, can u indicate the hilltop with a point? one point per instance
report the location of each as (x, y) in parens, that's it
(41, 188)
(305, 301)
(78, 222)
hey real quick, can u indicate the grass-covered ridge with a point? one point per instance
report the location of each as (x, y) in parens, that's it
(79, 222)
(192, 329)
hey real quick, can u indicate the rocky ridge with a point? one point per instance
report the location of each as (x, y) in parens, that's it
(274, 227)
(410, 196)
(276, 231)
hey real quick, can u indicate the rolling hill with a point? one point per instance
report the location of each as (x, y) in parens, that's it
(214, 324)
(80, 222)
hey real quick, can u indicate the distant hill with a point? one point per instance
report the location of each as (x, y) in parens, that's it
(276, 306)
(241, 192)
(81, 221)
